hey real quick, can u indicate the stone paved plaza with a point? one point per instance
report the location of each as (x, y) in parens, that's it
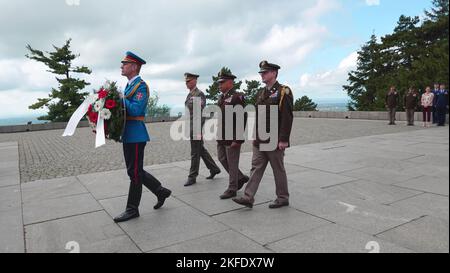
(46, 155)
(354, 185)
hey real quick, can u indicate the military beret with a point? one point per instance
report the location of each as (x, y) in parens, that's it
(189, 76)
(130, 57)
(266, 66)
(225, 75)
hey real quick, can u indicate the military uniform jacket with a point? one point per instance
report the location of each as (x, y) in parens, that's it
(391, 99)
(441, 99)
(189, 103)
(136, 105)
(281, 96)
(411, 100)
(230, 98)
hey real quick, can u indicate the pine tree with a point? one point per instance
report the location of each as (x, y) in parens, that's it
(251, 91)
(213, 92)
(305, 104)
(439, 10)
(415, 54)
(363, 81)
(65, 99)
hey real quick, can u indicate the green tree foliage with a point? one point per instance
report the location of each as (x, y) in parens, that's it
(65, 99)
(305, 104)
(213, 92)
(154, 110)
(251, 91)
(415, 54)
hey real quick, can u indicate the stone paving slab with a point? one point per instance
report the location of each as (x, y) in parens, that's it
(11, 231)
(380, 175)
(335, 239)
(332, 165)
(264, 225)
(115, 206)
(228, 241)
(426, 204)
(42, 190)
(11, 228)
(106, 184)
(427, 234)
(318, 179)
(427, 184)
(93, 232)
(9, 164)
(45, 210)
(170, 226)
(366, 216)
(209, 202)
(376, 192)
(10, 198)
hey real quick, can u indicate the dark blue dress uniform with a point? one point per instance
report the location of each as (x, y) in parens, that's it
(435, 117)
(134, 138)
(441, 103)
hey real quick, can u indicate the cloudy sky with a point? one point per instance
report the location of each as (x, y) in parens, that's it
(314, 41)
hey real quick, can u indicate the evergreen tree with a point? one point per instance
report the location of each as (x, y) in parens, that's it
(415, 54)
(65, 99)
(364, 80)
(213, 92)
(251, 91)
(305, 104)
(154, 110)
(438, 11)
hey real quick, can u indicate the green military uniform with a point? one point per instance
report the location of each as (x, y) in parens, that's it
(197, 146)
(281, 96)
(391, 102)
(410, 102)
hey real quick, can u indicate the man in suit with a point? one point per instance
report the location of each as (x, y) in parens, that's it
(273, 94)
(135, 138)
(197, 146)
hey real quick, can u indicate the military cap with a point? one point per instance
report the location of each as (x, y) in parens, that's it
(266, 66)
(130, 57)
(189, 76)
(224, 75)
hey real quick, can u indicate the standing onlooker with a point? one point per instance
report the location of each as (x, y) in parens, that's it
(441, 103)
(435, 92)
(391, 102)
(410, 103)
(427, 105)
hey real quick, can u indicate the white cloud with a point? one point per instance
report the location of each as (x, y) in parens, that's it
(174, 37)
(327, 84)
(373, 2)
(14, 103)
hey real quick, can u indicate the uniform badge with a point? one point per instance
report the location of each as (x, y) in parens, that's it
(229, 99)
(139, 96)
(274, 95)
